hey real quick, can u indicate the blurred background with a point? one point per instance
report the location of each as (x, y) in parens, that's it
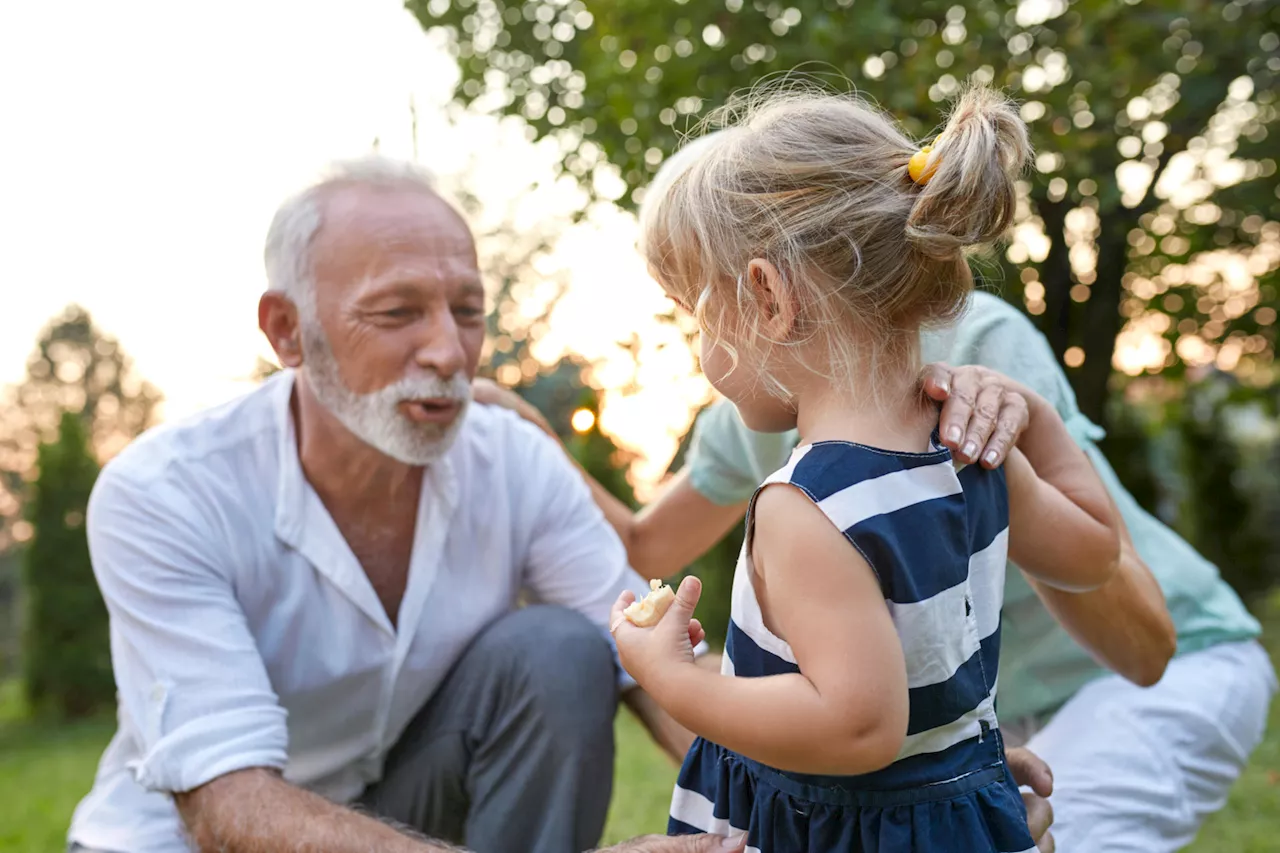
(147, 144)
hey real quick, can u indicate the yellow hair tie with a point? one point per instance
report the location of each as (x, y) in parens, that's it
(923, 164)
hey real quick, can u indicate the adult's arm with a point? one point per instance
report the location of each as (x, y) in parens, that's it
(188, 670)
(669, 533)
(704, 500)
(262, 809)
(1124, 624)
(575, 558)
(256, 811)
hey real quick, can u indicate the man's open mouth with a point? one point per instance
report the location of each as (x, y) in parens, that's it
(439, 410)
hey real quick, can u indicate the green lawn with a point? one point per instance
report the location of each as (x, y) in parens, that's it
(45, 769)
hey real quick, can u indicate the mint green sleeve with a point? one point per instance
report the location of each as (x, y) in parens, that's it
(997, 335)
(727, 461)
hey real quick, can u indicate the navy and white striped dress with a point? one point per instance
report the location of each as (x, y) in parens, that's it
(937, 540)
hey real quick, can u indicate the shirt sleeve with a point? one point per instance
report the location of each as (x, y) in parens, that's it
(997, 335)
(727, 461)
(574, 557)
(188, 672)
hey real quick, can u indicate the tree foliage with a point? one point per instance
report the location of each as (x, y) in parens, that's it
(75, 369)
(1153, 204)
(66, 654)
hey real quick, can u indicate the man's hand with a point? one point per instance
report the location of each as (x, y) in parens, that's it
(680, 844)
(983, 412)
(1029, 770)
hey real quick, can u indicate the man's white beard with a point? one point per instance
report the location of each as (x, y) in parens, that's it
(375, 418)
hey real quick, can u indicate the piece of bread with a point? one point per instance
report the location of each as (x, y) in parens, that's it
(647, 611)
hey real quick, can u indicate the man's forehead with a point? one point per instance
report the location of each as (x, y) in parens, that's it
(391, 215)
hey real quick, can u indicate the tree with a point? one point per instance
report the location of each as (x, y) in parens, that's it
(74, 368)
(1153, 206)
(66, 656)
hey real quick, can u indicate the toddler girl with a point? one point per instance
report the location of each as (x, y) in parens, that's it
(856, 708)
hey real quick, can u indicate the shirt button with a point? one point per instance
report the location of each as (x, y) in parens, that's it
(157, 693)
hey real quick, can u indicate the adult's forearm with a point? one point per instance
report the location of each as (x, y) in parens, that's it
(1124, 624)
(679, 526)
(1061, 463)
(256, 811)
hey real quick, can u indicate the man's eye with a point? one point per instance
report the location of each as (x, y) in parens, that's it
(469, 312)
(398, 313)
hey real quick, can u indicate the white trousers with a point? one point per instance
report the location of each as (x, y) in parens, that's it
(1137, 770)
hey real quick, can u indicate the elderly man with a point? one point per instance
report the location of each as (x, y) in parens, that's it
(313, 589)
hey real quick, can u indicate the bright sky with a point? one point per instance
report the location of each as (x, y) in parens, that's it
(147, 144)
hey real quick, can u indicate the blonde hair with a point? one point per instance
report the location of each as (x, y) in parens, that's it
(817, 184)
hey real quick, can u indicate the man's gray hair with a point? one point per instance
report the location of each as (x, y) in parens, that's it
(288, 248)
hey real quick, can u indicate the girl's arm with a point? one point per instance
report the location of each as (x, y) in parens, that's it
(1063, 530)
(847, 712)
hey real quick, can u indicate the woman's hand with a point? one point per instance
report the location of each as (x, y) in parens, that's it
(646, 652)
(983, 412)
(490, 393)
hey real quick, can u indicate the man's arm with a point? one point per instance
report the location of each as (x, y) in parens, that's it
(187, 667)
(256, 811)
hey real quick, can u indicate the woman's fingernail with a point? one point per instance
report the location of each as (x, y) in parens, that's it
(991, 457)
(733, 842)
(953, 434)
(969, 449)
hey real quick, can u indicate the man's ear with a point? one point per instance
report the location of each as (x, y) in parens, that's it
(278, 320)
(778, 308)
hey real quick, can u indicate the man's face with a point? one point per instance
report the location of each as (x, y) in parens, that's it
(393, 339)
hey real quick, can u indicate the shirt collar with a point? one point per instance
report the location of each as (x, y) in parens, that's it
(303, 523)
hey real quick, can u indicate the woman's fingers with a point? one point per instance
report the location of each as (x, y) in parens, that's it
(958, 408)
(1014, 417)
(935, 381)
(982, 421)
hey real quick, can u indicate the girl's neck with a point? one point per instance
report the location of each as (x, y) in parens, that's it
(893, 416)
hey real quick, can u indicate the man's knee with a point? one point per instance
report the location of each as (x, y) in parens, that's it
(558, 657)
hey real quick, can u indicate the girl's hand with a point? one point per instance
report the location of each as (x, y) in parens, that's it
(648, 652)
(983, 412)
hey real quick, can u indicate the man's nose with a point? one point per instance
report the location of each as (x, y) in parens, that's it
(440, 349)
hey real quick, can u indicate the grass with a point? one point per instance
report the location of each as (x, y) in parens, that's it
(45, 769)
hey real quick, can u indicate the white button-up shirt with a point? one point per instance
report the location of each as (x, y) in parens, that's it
(244, 633)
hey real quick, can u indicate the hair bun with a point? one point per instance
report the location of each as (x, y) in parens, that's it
(970, 197)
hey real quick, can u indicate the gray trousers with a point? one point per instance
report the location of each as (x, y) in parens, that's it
(514, 753)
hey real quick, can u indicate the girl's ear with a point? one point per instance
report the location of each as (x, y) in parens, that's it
(778, 308)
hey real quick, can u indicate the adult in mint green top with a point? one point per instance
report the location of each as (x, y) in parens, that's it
(1135, 769)
(1041, 667)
